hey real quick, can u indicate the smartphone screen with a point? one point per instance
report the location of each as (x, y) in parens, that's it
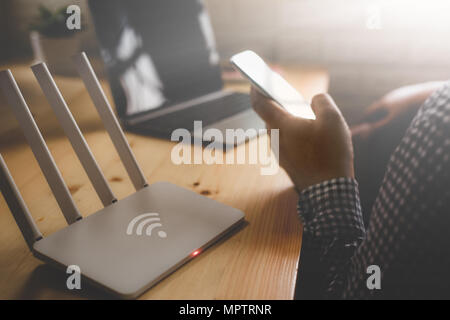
(272, 84)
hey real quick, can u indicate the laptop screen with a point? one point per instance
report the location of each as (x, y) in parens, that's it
(157, 52)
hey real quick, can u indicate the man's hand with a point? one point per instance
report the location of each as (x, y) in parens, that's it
(311, 151)
(392, 106)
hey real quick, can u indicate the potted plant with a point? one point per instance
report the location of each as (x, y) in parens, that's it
(52, 41)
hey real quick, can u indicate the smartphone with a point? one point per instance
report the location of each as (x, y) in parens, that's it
(271, 84)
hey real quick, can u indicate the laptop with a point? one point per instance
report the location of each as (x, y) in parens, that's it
(163, 68)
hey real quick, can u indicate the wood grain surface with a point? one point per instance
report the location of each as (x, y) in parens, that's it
(259, 261)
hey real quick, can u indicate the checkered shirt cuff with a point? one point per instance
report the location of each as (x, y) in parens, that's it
(332, 209)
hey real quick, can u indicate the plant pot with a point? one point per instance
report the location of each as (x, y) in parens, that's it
(56, 52)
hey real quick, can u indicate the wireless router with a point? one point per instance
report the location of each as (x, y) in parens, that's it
(130, 244)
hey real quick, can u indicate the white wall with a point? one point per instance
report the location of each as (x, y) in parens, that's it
(412, 45)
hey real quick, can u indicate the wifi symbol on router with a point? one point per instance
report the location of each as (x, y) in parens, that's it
(145, 223)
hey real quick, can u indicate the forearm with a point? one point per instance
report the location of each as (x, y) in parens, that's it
(424, 90)
(415, 95)
(333, 230)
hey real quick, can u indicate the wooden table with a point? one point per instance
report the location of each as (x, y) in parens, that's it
(257, 262)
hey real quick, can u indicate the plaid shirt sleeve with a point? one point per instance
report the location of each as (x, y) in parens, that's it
(407, 235)
(333, 229)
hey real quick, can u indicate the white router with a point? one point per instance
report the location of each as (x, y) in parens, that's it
(131, 244)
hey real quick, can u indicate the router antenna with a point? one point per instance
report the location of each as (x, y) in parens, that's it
(73, 132)
(17, 206)
(38, 146)
(109, 120)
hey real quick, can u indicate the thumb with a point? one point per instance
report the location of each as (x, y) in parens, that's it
(374, 107)
(325, 107)
(376, 112)
(268, 109)
(381, 123)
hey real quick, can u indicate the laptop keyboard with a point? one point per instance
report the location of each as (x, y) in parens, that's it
(207, 112)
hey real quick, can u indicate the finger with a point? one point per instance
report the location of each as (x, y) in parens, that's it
(361, 130)
(373, 107)
(381, 123)
(377, 115)
(364, 130)
(376, 111)
(324, 106)
(268, 109)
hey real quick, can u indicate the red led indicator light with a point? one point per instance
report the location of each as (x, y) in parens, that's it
(195, 253)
